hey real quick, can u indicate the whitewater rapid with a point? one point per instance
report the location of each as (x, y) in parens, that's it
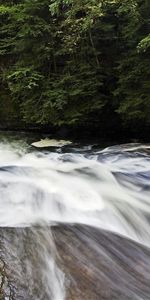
(102, 188)
(107, 189)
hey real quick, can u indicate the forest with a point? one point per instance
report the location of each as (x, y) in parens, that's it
(76, 64)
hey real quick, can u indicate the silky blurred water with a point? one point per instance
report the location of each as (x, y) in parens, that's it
(106, 188)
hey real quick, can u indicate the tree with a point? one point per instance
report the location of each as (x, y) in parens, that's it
(134, 70)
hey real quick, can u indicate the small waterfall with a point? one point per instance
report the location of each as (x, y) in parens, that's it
(106, 189)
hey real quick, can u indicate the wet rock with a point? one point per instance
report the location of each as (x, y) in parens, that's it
(51, 143)
(102, 266)
(6, 288)
(97, 264)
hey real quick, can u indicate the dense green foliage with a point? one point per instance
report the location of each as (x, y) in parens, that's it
(75, 62)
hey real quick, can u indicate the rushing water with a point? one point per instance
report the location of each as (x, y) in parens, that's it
(107, 189)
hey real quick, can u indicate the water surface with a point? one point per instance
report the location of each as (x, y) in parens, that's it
(74, 219)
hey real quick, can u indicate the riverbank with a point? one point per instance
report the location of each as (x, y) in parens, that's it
(83, 134)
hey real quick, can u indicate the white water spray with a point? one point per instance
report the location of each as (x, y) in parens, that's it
(107, 189)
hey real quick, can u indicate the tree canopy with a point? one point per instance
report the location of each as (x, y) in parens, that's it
(75, 62)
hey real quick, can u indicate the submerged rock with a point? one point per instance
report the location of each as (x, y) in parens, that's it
(102, 266)
(94, 264)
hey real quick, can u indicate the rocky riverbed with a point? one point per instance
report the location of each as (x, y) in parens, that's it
(96, 264)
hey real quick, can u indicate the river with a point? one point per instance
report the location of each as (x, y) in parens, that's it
(74, 221)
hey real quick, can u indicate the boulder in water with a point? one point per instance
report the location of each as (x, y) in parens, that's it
(44, 143)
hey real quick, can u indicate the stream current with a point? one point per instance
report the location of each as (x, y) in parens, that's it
(65, 199)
